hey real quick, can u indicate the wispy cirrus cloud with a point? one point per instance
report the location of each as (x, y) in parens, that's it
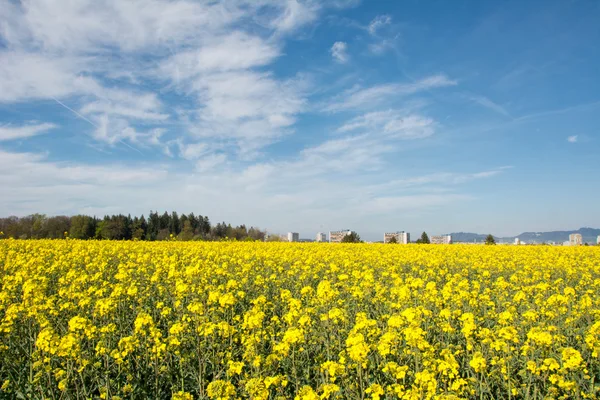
(214, 85)
(12, 132)
(391, 123)
(210, 162)
(572, 139)
(339, 52)
(383, 35)
(209, 50)
(295, 14)
(87, 27)
(230, 52)
(441, 178)
(300, 191)
(379, 22)
(26, 75)
(358, 97)
(251, 108)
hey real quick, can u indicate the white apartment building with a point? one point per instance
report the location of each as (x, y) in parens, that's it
(442, 239)
(321, 237)
(337, 236)
(401, 237)
(575, 239)
(598, 240)
(517, 241)
(293, 237)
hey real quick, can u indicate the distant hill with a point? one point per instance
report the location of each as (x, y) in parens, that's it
(589, 235)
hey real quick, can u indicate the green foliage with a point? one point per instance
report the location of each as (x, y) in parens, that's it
(115, 227)
(163, 234)
(187, 233)
(424, 239)
(352, 237)
(393, 240)
(124, 227)
(489, 240)
(82, 227)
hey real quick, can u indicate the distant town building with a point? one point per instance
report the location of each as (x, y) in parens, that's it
(401, 237)
(598, 240)
(575, 239)
(321, 237)
(517, 241)
(443, 239)
(337, 236)
(293, 236)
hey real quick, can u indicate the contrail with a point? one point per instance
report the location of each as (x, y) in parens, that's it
(75, 112)
(91, 123)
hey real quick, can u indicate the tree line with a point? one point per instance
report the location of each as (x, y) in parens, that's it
(123, 227)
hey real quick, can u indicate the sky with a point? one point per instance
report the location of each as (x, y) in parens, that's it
(305, 116)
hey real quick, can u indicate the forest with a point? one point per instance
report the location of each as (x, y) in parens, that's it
(166, 226)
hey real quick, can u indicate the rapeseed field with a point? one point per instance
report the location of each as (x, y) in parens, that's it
(230, 320)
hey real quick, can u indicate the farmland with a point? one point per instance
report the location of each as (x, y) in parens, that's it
(221, 320)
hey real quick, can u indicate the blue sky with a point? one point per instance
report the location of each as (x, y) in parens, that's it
(305, 116)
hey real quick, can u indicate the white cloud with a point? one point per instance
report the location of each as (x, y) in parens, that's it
(114, 130)
(295, 14)
(251, 108)
(33, 170)
(210, 162)
(378, 22)
(154, 135)
(441, 178)
(339, 52)
(30, 76)
(119, 64)
(40, 185)
(358, 97)
(345, 155)
(245, 94)
(107, 107)
(208, 50)
(10, 132)
(234, 100)
(391, 123)
(277, 195)
(193, 151)
(572, 139)
(234, 51)
(382, 46)
(89, 26)
(383, 35)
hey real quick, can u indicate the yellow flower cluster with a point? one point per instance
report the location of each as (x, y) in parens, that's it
(192, 320)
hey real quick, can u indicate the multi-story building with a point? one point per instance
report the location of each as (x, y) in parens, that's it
(401, 237)
(517, 241)
(442, 239)
(337, 236)
(293, 236)
(598, 240)
(321, 237)
(575, 239)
